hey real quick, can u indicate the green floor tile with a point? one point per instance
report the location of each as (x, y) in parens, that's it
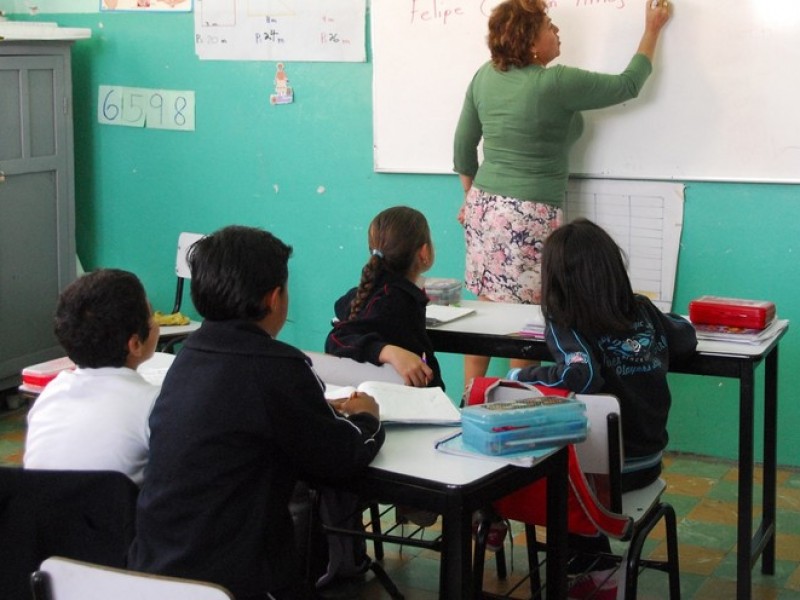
(683, 505)
(690, 584)
(788, 522)
(707, 535)
(699, 468)
(727, 491)
(783, 570)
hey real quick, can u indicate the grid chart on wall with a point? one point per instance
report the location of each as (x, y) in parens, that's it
(645, 219)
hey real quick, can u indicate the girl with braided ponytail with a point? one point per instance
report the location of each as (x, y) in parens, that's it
(383, 319)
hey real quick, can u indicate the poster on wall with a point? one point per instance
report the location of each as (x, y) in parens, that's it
(283, 30)
(645, 219)
(146, 5)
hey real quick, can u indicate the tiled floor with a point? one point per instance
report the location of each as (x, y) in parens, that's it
(702, 491)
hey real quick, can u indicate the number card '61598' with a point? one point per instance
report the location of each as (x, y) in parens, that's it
(142, 107)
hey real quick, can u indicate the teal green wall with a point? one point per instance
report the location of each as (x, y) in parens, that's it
(304, 171)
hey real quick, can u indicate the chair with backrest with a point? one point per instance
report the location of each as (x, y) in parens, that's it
(348, 372)
(85, 515)
(185, 242)
(173, 335)
(65, 579)
(597, 504)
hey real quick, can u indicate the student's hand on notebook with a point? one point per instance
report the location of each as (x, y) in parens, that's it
(358, 402)
(338, 404)
(409, 366)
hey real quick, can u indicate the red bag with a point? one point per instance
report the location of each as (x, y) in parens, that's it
(586, 516)
(482, 390)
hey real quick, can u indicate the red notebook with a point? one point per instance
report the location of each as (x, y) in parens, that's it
(734, 312)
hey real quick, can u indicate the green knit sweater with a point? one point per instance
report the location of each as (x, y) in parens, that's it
(529, 118)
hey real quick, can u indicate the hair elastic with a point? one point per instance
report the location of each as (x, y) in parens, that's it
(376, 252)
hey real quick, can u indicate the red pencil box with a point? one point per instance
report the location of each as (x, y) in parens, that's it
(36, 377)
(734, 312)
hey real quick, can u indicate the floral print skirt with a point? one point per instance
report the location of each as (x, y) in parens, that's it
(505, 237)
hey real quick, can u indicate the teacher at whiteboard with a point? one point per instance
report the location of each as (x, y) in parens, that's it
(528, 116)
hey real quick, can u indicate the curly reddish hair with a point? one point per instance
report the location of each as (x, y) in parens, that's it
(513, 26)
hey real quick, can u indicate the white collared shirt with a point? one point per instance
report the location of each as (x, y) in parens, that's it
(92, 419)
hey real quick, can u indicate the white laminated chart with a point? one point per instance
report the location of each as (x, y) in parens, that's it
(645, 219)
(290, 30)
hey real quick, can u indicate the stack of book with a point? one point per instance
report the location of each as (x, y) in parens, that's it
(733, 319)
(533, 330)
(738, 335)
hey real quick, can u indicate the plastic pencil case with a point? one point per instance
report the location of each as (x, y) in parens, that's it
(734, 312)
(519, 439)
(36, 377)
(523, 412)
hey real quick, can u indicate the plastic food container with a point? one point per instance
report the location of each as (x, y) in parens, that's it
(443, 291)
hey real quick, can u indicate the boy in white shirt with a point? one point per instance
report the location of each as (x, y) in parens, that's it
(95, 417)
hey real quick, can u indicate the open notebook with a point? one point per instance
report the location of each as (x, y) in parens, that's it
(436, 314)
(404, 404)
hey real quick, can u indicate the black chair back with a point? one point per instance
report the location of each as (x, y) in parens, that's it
(85, 515)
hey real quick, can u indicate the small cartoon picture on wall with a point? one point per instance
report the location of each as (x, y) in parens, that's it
(283, 92)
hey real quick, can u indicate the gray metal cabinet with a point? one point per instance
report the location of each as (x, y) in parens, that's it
(37, 200)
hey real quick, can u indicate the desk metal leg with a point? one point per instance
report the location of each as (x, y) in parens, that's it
(750, 546)
(745, 526)
(768, 524)
(455, 575)
(557, 528)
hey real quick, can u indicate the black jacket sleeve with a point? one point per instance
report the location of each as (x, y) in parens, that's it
(323, 444)
(388, 315)
(575, 366)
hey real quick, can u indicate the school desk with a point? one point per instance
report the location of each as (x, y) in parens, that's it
(491, 331)
(170, 335)
(409, 470)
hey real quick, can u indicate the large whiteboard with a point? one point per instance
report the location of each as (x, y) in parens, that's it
(722, 103)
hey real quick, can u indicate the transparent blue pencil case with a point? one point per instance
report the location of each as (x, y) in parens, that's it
(531, 423)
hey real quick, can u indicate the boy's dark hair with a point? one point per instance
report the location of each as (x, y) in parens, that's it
(395, 235)
(98, 313)
(585, 284)
(233, 269)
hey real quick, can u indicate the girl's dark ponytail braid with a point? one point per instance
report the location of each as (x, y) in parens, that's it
(368, 276)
